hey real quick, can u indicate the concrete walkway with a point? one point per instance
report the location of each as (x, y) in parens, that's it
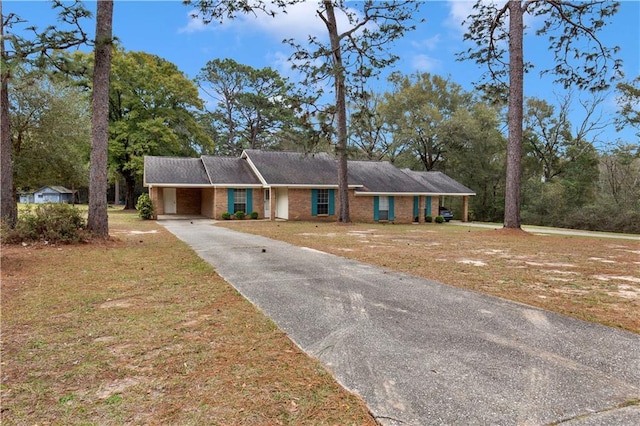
(424, 353)
(554, 231)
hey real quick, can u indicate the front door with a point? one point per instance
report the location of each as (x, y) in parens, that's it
(282, 203)
(170, 203)
(267, 203)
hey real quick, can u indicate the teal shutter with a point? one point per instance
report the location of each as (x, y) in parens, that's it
(249, 200)
(391, 215)
(314, 202)
(428, 206)
(230, 199)
(332, 201)
(416, 207)
(376, 208)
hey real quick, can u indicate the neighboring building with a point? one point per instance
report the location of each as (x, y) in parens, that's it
(294, 186)
(48, 194)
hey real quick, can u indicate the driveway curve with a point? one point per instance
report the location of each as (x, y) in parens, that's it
(423, 353)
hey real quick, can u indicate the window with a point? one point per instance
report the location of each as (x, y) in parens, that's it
(323, 201)
(383, 208)
(240, 200)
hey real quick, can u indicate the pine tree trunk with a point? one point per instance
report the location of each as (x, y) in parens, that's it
(97, 221)
(514, 116)
(8, 207)
(341, 114)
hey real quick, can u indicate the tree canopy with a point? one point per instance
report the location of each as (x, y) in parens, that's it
(251, 107)
(493, 26)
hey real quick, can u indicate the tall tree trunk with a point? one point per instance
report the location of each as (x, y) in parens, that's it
(116, 187)
(8, 207)
(98, 221)
(341, 113)
(514, 116)
(129, 190)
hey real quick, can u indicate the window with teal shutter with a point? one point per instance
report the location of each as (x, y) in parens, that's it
(230, 200)
(416, 208)
(332, 201)
(322, 202)
(237, 200)
(391, 212)
(428, 206)
(376, 208)
(314, 202)
(249, 200)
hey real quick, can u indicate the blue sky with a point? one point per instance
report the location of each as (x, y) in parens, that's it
(166, 28)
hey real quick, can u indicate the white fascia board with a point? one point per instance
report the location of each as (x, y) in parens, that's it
(237, 185)
(206, 170)
(179, 185)
(310, 186)
(254, 168)
(411, 194)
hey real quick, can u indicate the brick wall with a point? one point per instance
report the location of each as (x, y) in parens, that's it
(360, 208)
(403, 209)
(189, 200)
(300, 204)
(155, 194)
(219, 202)
(206, 207)
(212, 202)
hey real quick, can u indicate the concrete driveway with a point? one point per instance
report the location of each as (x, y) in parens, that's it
(424, 353)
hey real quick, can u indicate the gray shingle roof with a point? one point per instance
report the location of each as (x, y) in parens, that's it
(60, 189)
(174, 170)
(381, 177)
(229, 170)
(439, 183)
(293, 168)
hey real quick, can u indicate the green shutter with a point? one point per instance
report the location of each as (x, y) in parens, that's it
(391, 215)
(376, 208)
(249, 201)
(428, 206)
(314, 202)
(332, 201)
(230, 200)
(416, 208)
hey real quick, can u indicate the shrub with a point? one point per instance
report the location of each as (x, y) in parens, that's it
(428, 219)
(439, 219)
(254, 215)
(226, 215)
(53, 223)
(145, 207)
(240, 215)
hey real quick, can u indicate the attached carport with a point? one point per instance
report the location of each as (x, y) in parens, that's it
(177, 186)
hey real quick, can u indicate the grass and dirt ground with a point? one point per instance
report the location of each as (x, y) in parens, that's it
(139, 330)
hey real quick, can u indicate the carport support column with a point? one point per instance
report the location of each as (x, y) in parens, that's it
(465, 208)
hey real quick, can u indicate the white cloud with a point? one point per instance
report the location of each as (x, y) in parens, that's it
(459, 10)
(299, 22)
(195, 24)
(425, 63)
(431, 43)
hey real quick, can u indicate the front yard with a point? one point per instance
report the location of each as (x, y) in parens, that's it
(594, 279)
